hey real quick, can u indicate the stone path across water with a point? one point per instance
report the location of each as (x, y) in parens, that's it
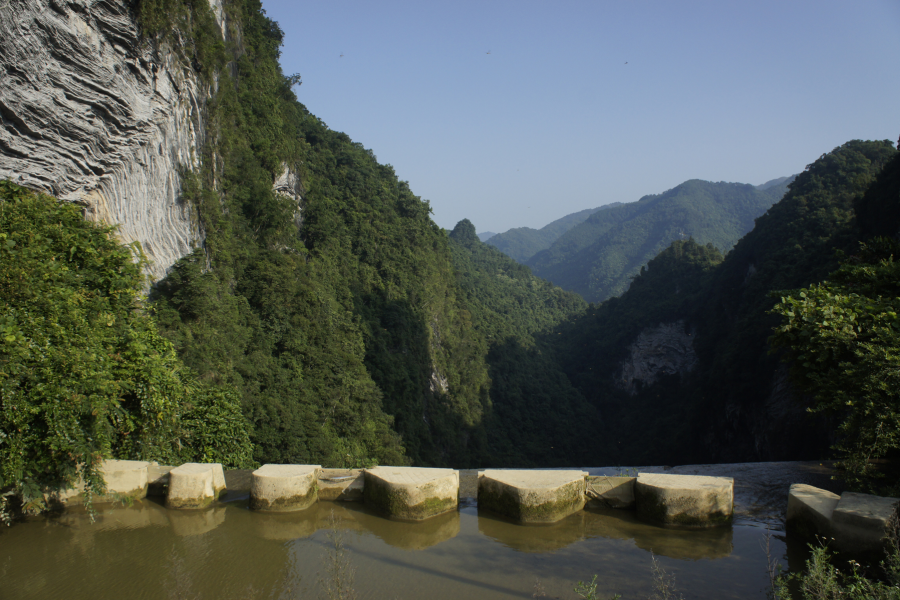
(760, 489)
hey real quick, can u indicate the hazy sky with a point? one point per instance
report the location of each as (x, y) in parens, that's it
(516, 113)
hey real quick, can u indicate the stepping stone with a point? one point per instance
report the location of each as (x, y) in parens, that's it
(125, 480)
(688, 500)
(411, 493)
(531, 496)
(283, 488)
(860, 522)
(610, 492)
(341, 485)
(809, 511)
(195, 485)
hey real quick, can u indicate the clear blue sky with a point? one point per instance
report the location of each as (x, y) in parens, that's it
(516, 113)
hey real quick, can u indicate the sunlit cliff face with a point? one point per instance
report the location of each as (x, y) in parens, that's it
(92, 114)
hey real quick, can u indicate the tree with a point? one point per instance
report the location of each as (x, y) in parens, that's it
(84, 374)
(842, 339)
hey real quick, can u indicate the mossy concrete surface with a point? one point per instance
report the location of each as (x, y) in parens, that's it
(125, 480)
(860, 522)
(341, 485)
(195, 485)
(531, 496)
(411, 493)
(610, 492)
(809, 511)
(283, 488)
(686, 500)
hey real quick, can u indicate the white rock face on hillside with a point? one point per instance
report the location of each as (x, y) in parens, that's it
(90, 114)
(664, 350)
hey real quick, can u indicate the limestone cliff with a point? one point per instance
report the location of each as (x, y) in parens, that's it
(664, 350)
(92, 114)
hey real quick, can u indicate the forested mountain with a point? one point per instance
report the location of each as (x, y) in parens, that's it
(346, 328)
(521, 243)
(680, 363)
(599, 257)
(351, 325)
(538, 417)
(486, 235)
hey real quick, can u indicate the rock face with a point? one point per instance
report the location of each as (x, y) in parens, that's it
(91, 114)
(664, 350)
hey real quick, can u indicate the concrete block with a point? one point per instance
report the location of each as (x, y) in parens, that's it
(531, 496)
(125, 480)
(283, 488)
(859, 523)
(195, 485)
(341, 485)
(810, 510)
(610, 492)
(687, 500)
(411, 493)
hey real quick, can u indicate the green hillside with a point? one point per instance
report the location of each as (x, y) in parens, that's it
(598, 258)
(538, 417)
(735, 404)
(521, 243)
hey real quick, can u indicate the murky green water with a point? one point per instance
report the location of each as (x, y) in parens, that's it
(229, 552)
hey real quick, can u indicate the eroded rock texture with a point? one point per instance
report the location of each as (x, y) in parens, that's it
(664, 350)
(90, 114)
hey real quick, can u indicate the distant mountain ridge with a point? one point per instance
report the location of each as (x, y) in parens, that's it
(521, 243)
(598, 257)
(485, 236)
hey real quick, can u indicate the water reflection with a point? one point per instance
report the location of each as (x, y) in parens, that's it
(690, 544)
(608, 523)
(231, 552)
(195, 522)
(358, 518)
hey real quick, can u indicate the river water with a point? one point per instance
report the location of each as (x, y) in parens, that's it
(229, 552)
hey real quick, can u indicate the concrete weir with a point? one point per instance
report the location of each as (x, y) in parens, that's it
(610, 491)
(856, 523)
(687, 500)
(860, 522)
(411, 493)
(341, 485)
(283, 488)
(809, 510)
(195, 485)
(125, 479)
(531, 496)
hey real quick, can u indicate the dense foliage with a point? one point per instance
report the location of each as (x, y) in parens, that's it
(521, 243)
(84, 374)
(842, 336)
(538, 417)
(725, 408)
(336, 319)
(599, 257)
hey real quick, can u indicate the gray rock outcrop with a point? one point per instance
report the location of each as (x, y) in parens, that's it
(664, 350)
(92, 114)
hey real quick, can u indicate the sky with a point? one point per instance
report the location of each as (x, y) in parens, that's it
(514, 114)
